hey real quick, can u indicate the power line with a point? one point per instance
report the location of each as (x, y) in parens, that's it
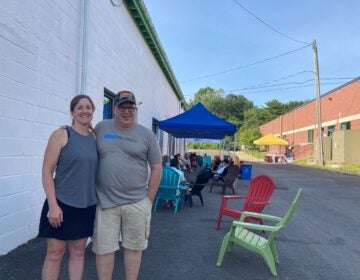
(280, 89)
(338, 78)
(275, 85)
(268, 84)
(268, 25)
(286, 77)
(244, 66)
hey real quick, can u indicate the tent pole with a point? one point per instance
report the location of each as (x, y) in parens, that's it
(169, 144)
(235, 157)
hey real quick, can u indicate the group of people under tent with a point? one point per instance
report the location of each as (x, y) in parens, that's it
(193, 163)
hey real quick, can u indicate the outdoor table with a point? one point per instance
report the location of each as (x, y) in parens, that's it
(275, 158)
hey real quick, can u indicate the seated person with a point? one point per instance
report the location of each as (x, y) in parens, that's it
(193, 162)
(165, 160)
(282, 159)
(181, 162)
(216, 163)
(174, 164)
(187, 162)
(221, 172)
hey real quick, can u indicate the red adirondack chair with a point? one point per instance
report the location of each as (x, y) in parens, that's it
(258, 196)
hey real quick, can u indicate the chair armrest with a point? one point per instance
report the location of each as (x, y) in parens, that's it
(227, 197)
(260, 202)
(170, 187)
(183, 187)
(259, 215)
(254, 226)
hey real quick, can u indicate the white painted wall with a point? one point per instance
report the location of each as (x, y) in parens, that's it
(40, 62)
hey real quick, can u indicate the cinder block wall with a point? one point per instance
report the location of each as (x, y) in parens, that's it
(38, 75)
(40, 60)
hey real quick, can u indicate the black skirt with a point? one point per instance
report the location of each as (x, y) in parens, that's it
(78, 222)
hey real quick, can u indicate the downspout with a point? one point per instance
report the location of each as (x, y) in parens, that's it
(84, 47)
(84, 55)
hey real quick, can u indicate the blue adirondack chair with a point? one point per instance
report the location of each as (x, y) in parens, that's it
(169, 188)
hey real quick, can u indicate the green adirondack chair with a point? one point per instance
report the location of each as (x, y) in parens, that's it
(239, 234)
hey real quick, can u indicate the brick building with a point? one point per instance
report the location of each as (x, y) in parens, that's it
(340, 111)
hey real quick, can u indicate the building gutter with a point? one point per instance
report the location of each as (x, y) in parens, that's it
(142, 19)
(84, 47)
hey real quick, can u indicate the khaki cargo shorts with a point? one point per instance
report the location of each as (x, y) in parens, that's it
(128, 224)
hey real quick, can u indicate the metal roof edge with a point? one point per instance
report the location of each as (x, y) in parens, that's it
(143, 21)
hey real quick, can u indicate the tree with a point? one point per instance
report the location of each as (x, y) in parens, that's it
(275, 108)
(208, 96)
(246, 136)
(292, 105)
(255, 117)
(231, 107)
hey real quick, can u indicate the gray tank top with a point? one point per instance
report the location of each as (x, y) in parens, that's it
(76, 170)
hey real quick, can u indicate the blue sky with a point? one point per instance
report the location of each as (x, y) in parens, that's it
(207, 37)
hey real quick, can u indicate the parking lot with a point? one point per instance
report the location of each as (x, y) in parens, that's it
(320, 242)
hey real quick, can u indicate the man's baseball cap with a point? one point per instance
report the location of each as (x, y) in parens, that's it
(124, 96)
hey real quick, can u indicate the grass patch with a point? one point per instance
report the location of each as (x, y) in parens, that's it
(257, 154)
(353, 168)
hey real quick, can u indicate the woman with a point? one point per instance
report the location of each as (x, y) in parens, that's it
(69, 209)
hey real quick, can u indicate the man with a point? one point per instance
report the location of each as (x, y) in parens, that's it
(125, 191)
(221, 172)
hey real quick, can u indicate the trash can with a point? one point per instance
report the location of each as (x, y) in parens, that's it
(246, 171)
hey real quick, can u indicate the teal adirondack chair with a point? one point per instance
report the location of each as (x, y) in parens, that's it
(207, 161)
(239, 234)
(169, 188)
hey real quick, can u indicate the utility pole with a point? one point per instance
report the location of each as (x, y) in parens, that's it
(318, 103)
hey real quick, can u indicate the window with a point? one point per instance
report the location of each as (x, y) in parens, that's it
(155, 126)
(158, 132)
(311, 136)
(330, 130)
(346, 126)
(109, 98)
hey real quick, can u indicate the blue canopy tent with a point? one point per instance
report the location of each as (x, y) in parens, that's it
(198, 122)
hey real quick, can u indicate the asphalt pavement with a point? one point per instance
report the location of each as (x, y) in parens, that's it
(320, 242)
